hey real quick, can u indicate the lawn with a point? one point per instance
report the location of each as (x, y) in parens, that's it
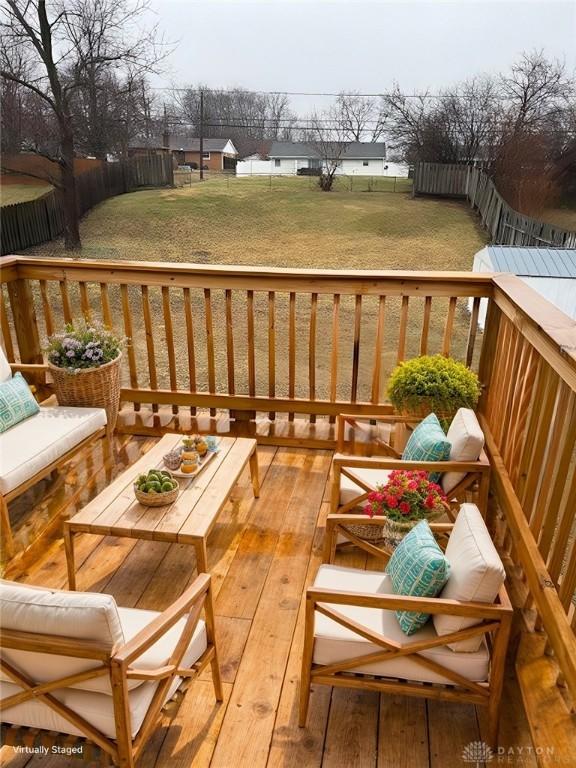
(21, 193)
(284, 222)
(290, 224)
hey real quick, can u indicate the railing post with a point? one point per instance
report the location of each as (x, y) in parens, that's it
(489, 345)
(25, 323)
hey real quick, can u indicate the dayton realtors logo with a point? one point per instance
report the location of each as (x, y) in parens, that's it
(479, 754)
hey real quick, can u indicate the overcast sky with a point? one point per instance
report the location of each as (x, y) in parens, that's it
(353, 45)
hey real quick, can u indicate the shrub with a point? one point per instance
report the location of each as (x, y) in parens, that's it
(439, 382)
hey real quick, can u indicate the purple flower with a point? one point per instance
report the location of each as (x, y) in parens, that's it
(70, 353)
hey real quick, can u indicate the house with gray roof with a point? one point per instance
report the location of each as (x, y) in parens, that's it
(357, 158)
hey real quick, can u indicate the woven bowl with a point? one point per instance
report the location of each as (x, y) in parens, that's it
(156, 499)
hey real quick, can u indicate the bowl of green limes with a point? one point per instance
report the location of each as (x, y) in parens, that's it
(156, 488)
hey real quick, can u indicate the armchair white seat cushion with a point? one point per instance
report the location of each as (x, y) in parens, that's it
(466, 443)
(87, 616)
(334, 642)
(350, 490)
(5, 370)
(33, 444)
(476, 573)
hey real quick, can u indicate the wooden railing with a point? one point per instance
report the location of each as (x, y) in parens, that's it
(251, 340)
(274, 342)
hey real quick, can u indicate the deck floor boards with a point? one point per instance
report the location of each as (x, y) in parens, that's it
(262, 554)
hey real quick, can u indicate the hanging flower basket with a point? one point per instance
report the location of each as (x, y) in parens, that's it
(85, 365)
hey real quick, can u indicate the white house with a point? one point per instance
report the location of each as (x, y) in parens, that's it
(550, 271)
(358, 158)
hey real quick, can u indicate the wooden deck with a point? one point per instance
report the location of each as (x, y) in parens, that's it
(262, 554)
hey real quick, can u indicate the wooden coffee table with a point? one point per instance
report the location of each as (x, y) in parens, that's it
(188, 520)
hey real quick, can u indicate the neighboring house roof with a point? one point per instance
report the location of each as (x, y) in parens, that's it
(184, 143)
(549, 271)
(533, 262)
(354, 150)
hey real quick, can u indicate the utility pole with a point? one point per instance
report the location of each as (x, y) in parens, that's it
(201, 134)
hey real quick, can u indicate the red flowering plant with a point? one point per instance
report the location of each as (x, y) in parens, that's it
(408, 495)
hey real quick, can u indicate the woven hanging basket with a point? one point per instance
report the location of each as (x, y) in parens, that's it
(97, 387)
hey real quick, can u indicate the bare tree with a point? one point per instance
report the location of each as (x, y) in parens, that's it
(537, 89)
(71, 44)
(328, 138)
(360, 117)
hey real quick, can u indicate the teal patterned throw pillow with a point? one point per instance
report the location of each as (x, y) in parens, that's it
(428, 443)
(417, 568)
(16, 402)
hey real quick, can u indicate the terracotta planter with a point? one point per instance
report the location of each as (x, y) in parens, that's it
(97, 387)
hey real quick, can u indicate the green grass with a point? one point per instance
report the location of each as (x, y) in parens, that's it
(21, 193)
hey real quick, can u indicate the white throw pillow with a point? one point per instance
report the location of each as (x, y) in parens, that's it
(5, 370)
(467, 440)
(476, 573)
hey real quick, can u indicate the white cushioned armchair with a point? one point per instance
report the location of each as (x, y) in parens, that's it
(354, 639)
(33, 448)
(75, 663)
(354, 476)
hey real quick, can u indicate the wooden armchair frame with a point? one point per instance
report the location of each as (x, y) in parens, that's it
(477, 472)
(496, 622)
(120, 665)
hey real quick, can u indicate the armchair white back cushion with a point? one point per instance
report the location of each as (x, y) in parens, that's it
(476, 573)
(467, 440)
(74, 615)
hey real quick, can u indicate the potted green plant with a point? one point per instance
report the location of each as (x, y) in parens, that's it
(408, 497)
(432, 384)
(84, 361)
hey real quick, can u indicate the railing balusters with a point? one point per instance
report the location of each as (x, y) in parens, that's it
(334, 350)
(6, 334)
(148, 330)
(425, 325)
(312, 352)
(251, 353)
(128, 330)
(229, 342)
(46, 308)
(210, 345)
(356, 347)
(291, 349)
(169, 332)
(472, 331)
(66, 310)
(449, 327)
(377, 369)
(403, 328)
(105, 304)
(190, 344)
(85, 302)
(271, 349)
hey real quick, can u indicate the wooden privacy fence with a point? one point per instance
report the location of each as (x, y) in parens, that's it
(42, 219)
(505, 225)
(272, 341)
